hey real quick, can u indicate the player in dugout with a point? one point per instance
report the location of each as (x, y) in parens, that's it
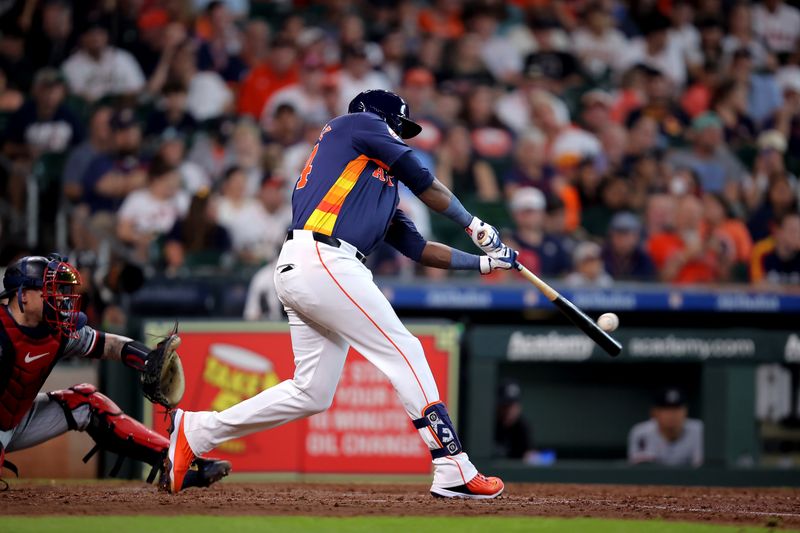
(40, 325)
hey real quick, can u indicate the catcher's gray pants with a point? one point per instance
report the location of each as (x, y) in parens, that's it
(44, 421)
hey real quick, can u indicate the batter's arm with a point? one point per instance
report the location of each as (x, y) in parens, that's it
(431, 191)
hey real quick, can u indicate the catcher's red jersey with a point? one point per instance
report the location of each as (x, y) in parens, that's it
(28, 358)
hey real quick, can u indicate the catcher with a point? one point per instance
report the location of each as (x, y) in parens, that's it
(40, 325)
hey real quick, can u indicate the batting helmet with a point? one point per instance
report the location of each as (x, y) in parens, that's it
(58, 281)
(390, 107)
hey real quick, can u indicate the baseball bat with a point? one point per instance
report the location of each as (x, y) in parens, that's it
(578, 317)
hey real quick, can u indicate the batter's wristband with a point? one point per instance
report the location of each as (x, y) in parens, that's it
(457, 213)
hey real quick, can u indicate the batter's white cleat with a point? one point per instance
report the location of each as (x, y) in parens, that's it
(479, 488)
(180, 455)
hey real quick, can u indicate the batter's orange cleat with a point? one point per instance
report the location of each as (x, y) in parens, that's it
(479, 488)
(179, 457)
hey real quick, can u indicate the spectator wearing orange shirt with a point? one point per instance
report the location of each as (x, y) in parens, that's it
(731, 233)
(681, 255)
(443, 19)
(279, 71)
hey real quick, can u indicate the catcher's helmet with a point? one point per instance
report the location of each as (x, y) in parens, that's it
(58, 281)
(390, 107)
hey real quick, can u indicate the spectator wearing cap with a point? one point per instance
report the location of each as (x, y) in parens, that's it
(171, 148)
(657, 50)
(357, 75)
(740, 35)
(305, 96)
(98, 69)
(776, 259)
(588, 268)
(769, 166)
(171, 116)
(113, 175)
(279, 70)
(97, 142)
(623, 255)
(787, 118)
(543, 253)
(50, 42)
(777, 24)
(219, 51)
(152, 211)
(709, 157)
(44, 124)
(512, 434)
(596, 42)
(669, 438)
(208, 97)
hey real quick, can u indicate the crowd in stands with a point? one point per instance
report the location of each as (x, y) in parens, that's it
(644, 141)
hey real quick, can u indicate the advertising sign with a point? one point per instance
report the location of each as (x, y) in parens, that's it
(366, 430)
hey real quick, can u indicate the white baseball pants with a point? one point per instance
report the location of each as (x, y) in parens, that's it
(332, 304)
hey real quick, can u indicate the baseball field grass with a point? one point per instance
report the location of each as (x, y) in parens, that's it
(359, 524)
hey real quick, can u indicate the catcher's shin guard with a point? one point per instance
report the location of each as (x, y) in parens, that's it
(111, 429)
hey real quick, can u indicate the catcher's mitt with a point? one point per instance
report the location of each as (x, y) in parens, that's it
(162, 378)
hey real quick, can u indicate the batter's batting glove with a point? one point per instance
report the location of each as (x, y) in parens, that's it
(490, 264)
(487, 238)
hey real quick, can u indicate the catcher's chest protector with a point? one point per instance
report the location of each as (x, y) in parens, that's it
(24, 366)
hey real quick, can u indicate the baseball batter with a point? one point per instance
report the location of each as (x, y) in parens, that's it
(42, 325)
(344, 205)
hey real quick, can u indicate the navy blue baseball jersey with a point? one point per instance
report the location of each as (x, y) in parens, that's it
(345, 189)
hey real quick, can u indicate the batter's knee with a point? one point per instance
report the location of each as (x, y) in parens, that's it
(316, 400)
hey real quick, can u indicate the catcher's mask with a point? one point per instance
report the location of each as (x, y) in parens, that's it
(58, 281)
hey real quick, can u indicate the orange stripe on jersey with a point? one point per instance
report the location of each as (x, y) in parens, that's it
(323, 219)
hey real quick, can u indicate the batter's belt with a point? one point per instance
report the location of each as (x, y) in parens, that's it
(327, 239)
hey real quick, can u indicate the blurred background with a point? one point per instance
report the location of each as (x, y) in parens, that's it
(641, 155)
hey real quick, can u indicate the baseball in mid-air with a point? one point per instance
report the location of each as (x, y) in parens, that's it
(608, 322)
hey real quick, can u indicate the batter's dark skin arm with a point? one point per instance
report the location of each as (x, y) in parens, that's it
(436, 255)
(437, 196)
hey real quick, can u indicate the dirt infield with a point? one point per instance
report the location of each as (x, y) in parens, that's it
(765, 507)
